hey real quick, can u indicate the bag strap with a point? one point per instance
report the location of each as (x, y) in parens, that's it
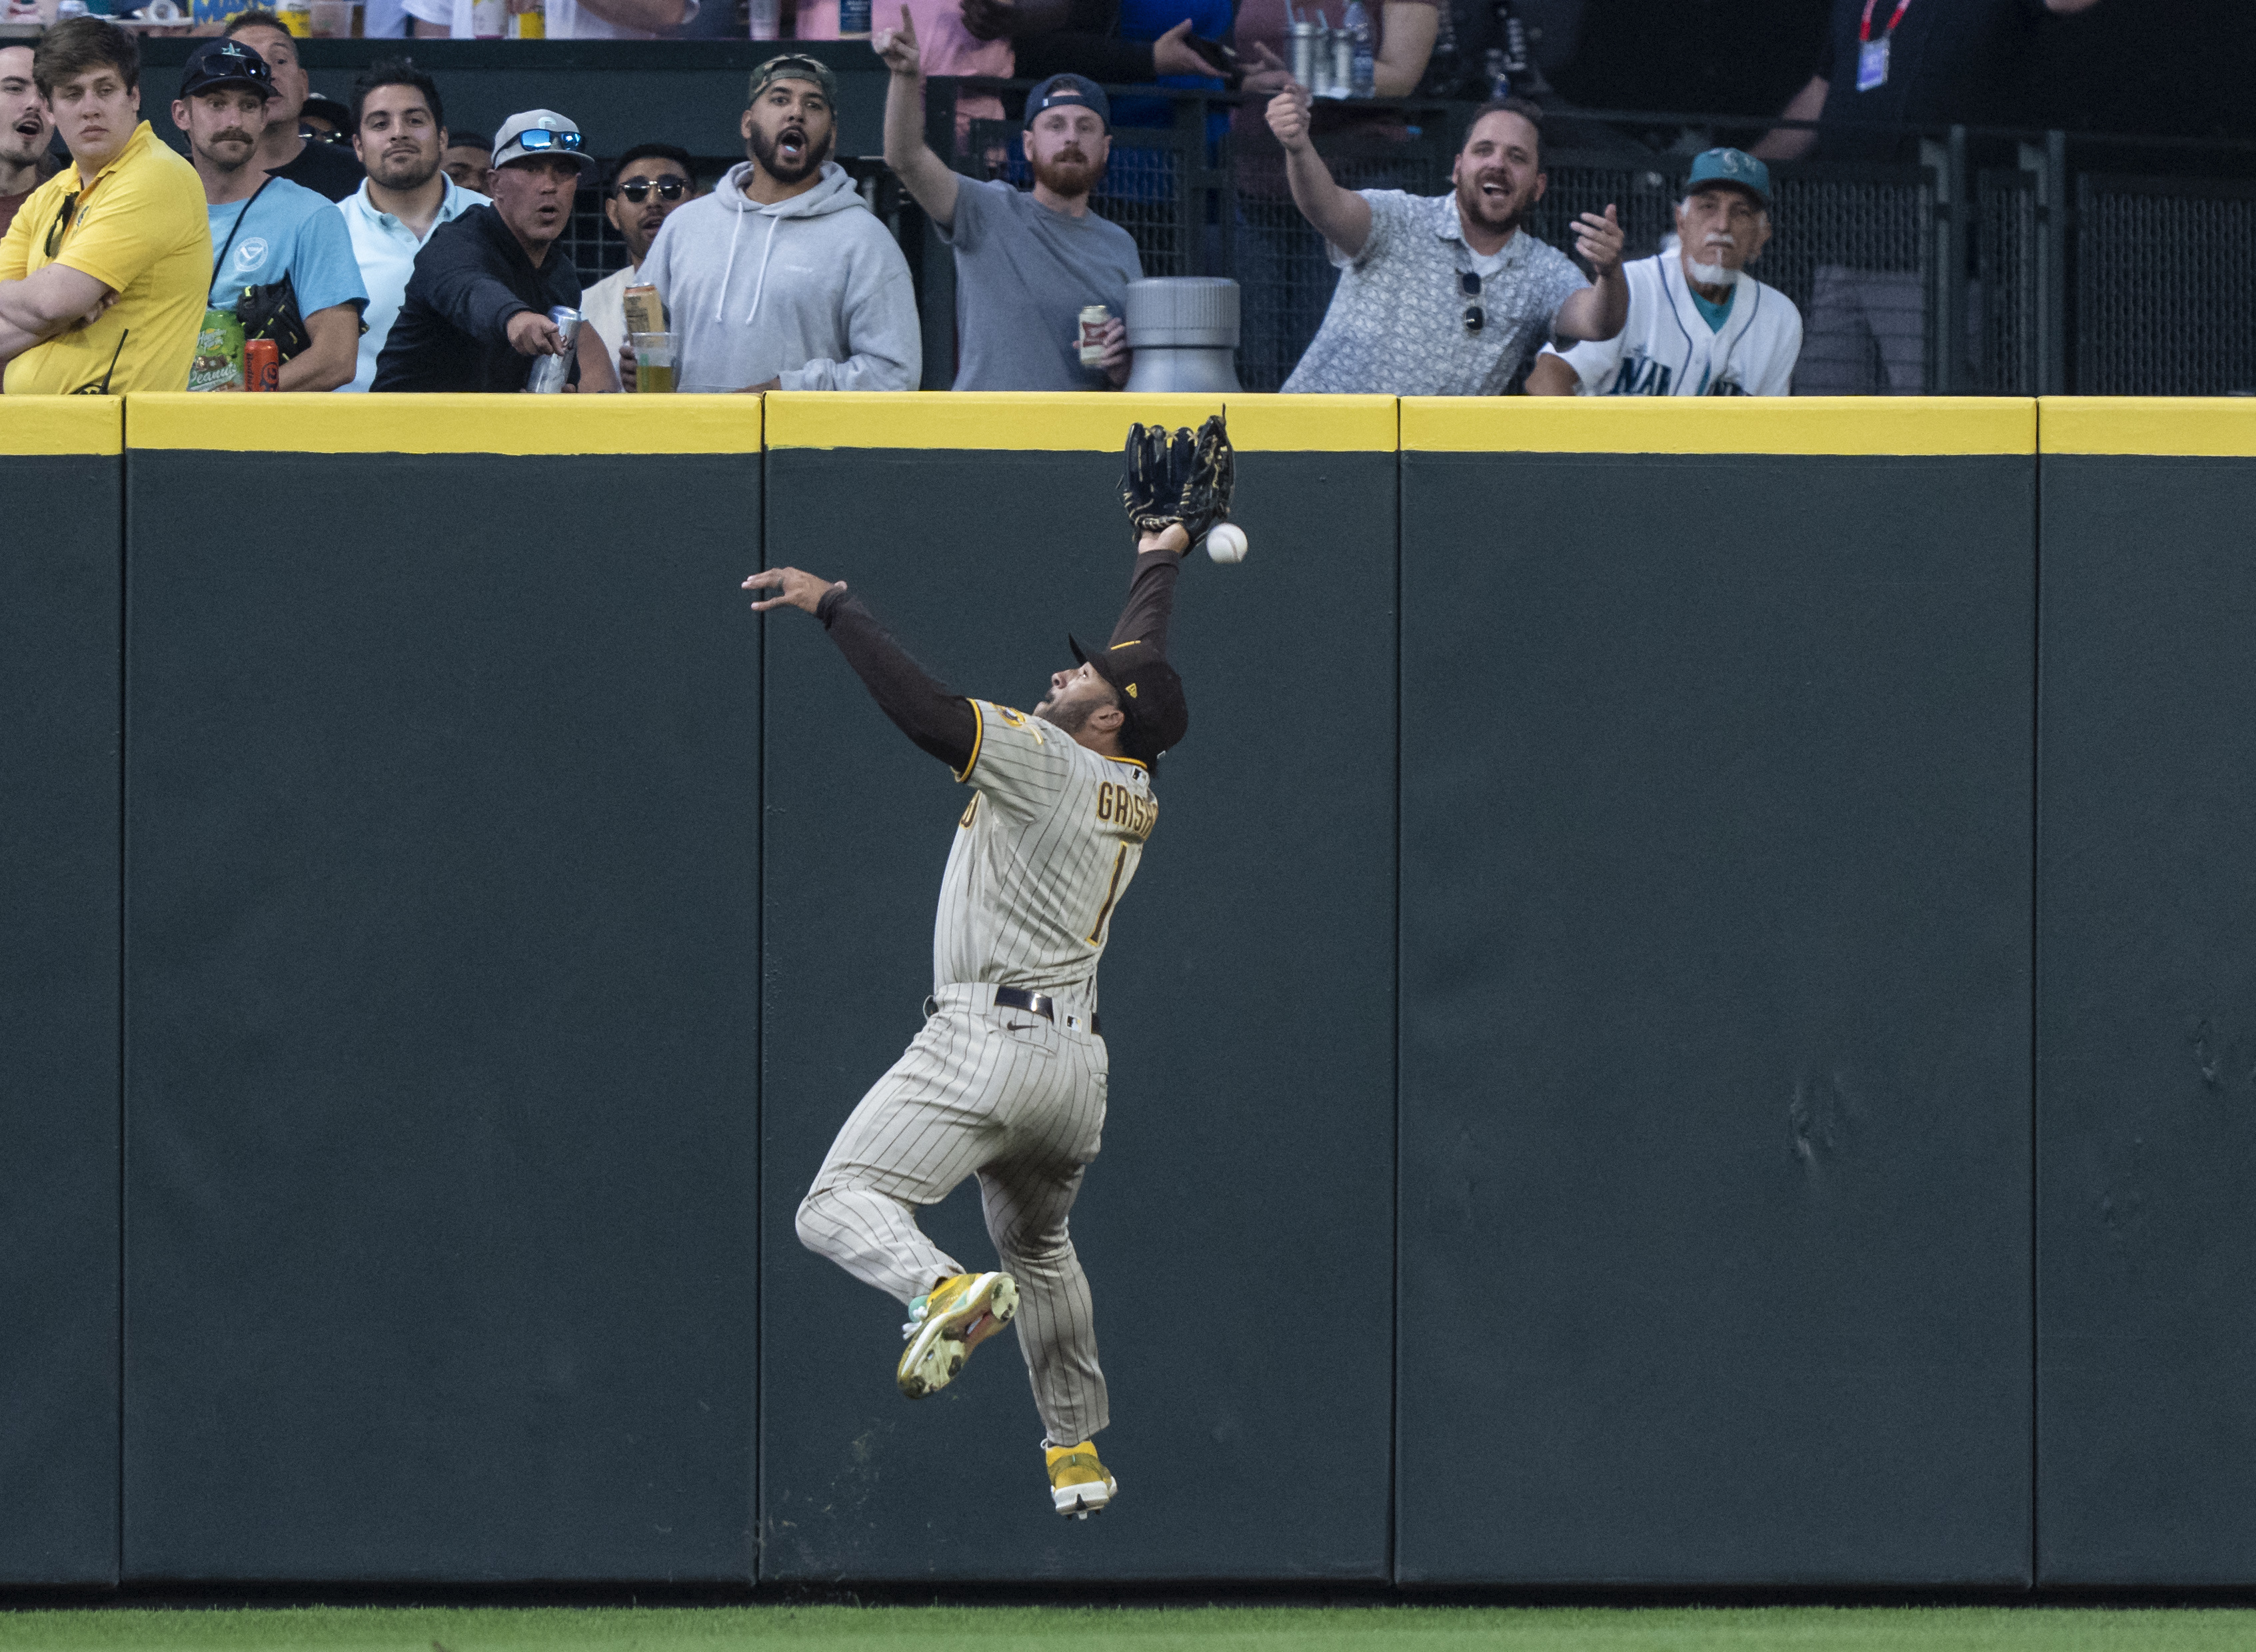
(229, 245)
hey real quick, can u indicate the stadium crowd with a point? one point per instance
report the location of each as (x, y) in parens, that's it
(408, 256)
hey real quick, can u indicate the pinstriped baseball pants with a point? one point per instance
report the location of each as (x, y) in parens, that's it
(1017, 1101)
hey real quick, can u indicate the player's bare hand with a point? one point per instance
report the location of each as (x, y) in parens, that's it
(899, 47)
(1288, 118)
(793, 587)
(1598, 241)
(533, 333)
(1174, 537)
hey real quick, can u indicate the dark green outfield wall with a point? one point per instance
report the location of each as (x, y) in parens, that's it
(59, 1086)
(1644, 1051)
(1245, 1195)
(2147, 1022)
(1716, 1098)
(443, 1019)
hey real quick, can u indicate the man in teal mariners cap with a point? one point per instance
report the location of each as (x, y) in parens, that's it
(1699, 324)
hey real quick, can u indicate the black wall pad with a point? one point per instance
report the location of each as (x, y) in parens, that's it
(58, 1028)
(2146, 1021)
(1715, 1085)
(443, 1020)
(1237, 1227)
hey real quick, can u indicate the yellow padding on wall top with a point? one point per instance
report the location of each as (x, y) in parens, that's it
(1720, 424)
(61, 425)
(2198, 427)
(333, 424)
(980, 420)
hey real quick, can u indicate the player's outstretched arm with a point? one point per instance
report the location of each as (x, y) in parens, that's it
(943, 724)
(1174, 488)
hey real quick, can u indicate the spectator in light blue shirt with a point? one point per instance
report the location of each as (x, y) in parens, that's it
(399, 131)
(267, 230)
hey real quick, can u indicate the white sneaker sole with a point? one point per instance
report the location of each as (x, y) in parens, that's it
(938, 1349)
(1079, 1502)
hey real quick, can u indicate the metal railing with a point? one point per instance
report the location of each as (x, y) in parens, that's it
(1995, 263)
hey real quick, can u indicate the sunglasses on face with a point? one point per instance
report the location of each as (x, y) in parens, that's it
(540, 137)
(1469, 284)
(638, 189)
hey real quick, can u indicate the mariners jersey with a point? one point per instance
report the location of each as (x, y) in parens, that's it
(1042, 856)
(1668, 349)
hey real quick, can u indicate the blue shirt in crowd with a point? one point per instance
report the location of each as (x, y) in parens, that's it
(287, 230)
(1148, 20)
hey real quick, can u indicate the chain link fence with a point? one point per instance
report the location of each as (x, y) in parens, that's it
(2166, 287)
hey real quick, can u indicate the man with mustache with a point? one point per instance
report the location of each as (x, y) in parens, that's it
(1446, 295)
(1026, 262)
(103, 272)
(652, 181)
(1699, 325)
(399, 132)
(25, 129)
(267, 228)
(782, 278)
(475, 317)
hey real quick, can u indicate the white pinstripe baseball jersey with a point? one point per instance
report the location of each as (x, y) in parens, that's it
(1041, 857)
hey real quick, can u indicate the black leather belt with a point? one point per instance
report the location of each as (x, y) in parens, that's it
(1033, 1003)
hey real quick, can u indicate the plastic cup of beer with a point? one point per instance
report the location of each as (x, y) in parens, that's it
(653, 363)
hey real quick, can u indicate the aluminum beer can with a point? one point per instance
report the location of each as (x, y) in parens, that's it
(1093, 318)
(1306, 37)
(262, 363)
(549, 372)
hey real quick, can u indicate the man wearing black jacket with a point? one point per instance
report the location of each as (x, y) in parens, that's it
(1007, 1080)
(476, 314)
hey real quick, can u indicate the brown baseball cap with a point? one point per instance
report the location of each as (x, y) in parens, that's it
(1151, 695)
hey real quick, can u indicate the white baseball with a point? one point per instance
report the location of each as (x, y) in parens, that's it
(1225, 542)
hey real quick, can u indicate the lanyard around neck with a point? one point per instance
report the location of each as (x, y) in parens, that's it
(1864, 27)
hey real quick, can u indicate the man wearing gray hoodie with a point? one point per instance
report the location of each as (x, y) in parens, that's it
(782, 278)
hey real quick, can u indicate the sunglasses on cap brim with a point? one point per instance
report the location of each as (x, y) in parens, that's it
(537, 138)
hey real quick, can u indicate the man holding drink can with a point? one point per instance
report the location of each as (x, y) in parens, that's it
(1041, 281)
(476, 315)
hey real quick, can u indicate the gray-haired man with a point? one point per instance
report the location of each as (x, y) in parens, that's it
(1699, 324)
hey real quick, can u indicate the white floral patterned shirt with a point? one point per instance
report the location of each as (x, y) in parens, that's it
(1397, 327)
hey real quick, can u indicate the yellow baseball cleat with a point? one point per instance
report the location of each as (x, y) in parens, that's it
(954, 1316)
(1079, 1484)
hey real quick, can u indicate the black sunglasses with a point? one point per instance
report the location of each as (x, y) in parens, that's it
(540, 137)
(1469, 284)
(62, 222)
(638, 189)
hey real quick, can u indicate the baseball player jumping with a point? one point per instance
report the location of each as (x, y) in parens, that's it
(1007, 1080)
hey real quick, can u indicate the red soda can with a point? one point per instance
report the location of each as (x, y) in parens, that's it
(262, 363)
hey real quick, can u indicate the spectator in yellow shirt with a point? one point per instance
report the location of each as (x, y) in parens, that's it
(106, 271)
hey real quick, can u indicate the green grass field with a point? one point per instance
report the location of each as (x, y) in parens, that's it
(1189, 1628)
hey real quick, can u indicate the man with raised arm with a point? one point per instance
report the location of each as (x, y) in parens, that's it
(1026, 262)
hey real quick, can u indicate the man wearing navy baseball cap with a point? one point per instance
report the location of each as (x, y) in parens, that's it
(1027, 263)
(283, 267)
(1699, 324)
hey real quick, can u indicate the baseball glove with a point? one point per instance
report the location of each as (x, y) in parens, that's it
(1185, 478)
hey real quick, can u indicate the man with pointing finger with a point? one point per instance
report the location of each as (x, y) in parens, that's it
(1447, 295)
